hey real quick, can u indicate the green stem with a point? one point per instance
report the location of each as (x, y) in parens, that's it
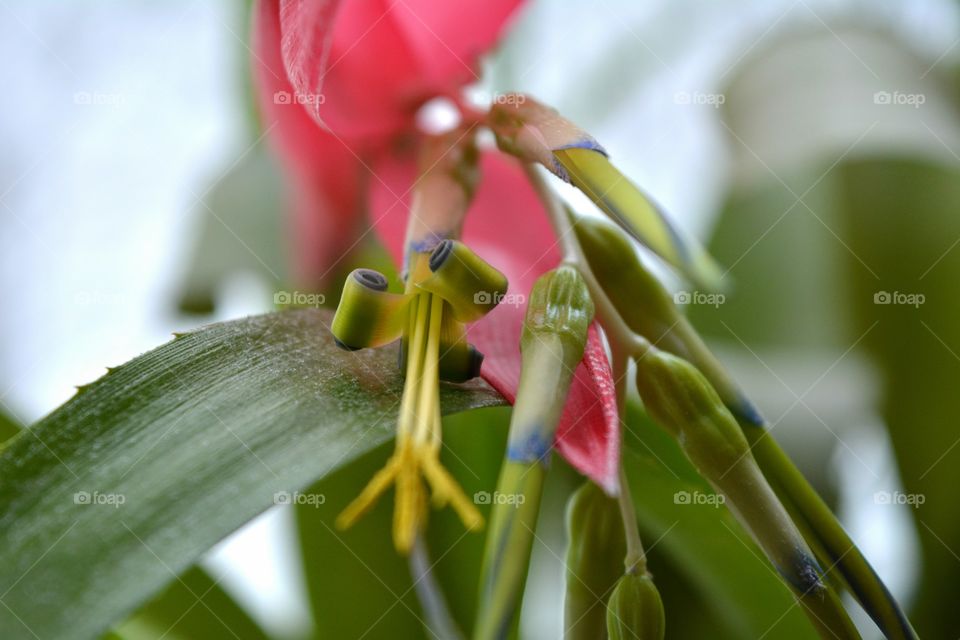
(439, 621)
(636, 559)
(827, 535)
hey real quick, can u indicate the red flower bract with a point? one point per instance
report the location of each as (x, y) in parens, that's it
(340, 84)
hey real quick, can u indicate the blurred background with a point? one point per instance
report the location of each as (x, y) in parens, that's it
(813, 144)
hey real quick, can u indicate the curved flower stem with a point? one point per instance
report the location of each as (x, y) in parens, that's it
(636, 559)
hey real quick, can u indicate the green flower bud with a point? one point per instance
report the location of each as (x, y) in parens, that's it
(679, 398)
(559, 314)
(595, 551)
(635, 611)
(368, 315)
(508, 547)
(648, 308)
(560, 305)
(627, 205)
(554, 336)
(463, 279)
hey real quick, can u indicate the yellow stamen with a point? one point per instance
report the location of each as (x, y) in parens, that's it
(417, 452)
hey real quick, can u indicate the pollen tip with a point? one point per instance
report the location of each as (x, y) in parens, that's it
(371, 279)
(440, 254)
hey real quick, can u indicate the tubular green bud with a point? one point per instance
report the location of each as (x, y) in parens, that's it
(680, 399)
(554, 337)
(635, 611)
(368, 315)
(560, 305)
(648, 308)
(637, 213)
(595, 551)
(465, 280)
(559, 314)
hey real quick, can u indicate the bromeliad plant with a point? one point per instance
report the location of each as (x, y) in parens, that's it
(127, 484)
(479, 229)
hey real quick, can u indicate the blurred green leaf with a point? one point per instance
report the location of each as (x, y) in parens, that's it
(901, 218)
(240, 228)
(125, 485)
(193, 607)
(9, 427)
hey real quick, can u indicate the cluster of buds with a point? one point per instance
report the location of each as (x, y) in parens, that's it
(683, 386)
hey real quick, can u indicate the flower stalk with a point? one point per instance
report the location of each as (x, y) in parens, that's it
(552, 344)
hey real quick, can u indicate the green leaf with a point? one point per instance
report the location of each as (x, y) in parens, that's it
(9, 427)
(130, 481)
(192, 607)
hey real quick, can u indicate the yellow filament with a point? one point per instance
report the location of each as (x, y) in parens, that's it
(417, 451)
(414, 360)
(430, 385)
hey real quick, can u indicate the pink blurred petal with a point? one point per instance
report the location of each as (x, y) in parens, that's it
(324, 171)
(447, 38)
(376, 61)
(506, 225)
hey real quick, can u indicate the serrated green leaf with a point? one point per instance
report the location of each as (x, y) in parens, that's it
(141, 472)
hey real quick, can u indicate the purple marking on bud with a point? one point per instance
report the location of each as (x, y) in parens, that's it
(533, 447)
